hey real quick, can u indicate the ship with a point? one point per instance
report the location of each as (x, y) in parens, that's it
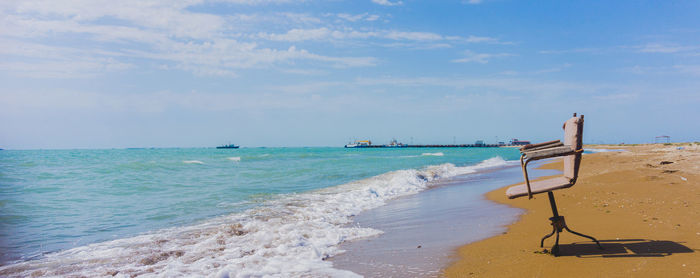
(359, 144)
(228, 146)
(395, 144)
(368, 144)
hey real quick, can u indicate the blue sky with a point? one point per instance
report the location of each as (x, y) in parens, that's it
(104, 74)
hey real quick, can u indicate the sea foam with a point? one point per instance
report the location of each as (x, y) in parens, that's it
(235, 158)
(290, 236)
(433, 154)
(192, 162)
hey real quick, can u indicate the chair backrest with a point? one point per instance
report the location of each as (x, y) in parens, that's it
(573, 136)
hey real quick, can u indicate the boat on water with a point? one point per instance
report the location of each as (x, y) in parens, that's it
(395, 144)
(359, 144)
(228, 146)
(368, 144)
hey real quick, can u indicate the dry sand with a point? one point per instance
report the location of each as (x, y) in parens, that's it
(645, 212)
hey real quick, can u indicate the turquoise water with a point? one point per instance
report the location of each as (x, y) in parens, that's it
(54, 200)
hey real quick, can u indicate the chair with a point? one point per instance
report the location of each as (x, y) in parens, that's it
(572, 150)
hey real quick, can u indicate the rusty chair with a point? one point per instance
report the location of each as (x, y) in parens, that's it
(571, 150)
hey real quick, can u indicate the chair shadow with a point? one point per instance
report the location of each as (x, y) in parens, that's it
(622, 248)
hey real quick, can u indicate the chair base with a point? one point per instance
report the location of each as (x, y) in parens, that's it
(559, 225)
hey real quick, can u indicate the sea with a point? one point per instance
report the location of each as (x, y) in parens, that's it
(205, 212)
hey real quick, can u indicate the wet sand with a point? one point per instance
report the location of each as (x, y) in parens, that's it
(642, 204)
(420, 231)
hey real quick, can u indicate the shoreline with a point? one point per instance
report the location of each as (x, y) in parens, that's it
(420, 233)
(645, 214)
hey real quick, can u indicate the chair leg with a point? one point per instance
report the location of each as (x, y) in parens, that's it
(558, 225)
(547, 236)
(555, 248)
(582, 235)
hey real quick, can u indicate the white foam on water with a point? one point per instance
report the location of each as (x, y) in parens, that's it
(407, 156)
(192, 162)
(234, 158)
(290, 236)
(433, 154)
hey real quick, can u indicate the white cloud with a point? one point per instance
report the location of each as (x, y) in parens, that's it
(638, 69)
(94, 37)
(159, 30)
(482, 58)
(387, 2)
(504, 84)
(325, 33)
(258, 2)
(417, 36)
(417, 45)
(64, 69)
(473, 2)
(475, 39)
(57, 62)
(296, 35)
(617, 97)
(688, 69)
(358, 17)
(664, 48)
(574, 50)
(553, 69)
(422, 40)
(663, 70)
(372, 17)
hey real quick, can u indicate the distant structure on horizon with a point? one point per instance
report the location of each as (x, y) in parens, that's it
(359, 144)
(662, 139)
(395, 144)
(516, 142)
(228, 146)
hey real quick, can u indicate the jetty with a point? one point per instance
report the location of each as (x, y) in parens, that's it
(395, 144)
(431, 146)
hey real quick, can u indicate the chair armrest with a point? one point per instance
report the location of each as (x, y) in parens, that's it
(542, 151)
(530, 147)
(549, 152)
(523, 164)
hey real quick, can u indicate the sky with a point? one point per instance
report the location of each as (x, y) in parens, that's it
(201, 73)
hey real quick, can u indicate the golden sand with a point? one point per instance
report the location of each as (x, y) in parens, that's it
(644, 210)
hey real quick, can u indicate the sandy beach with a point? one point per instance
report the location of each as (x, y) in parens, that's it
(641, 203)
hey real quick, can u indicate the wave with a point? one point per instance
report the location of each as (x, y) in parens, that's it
(292, 235)
(433, 154)
(234, 158)
(192, 162)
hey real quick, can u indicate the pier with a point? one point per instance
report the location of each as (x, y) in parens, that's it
(396, 144)
(430, 146)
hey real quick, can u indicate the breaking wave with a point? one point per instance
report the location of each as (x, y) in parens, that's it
(292, 235)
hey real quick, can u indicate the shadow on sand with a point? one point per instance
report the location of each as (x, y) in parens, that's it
(622, 248)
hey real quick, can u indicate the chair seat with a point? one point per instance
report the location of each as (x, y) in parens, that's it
(539, 186)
